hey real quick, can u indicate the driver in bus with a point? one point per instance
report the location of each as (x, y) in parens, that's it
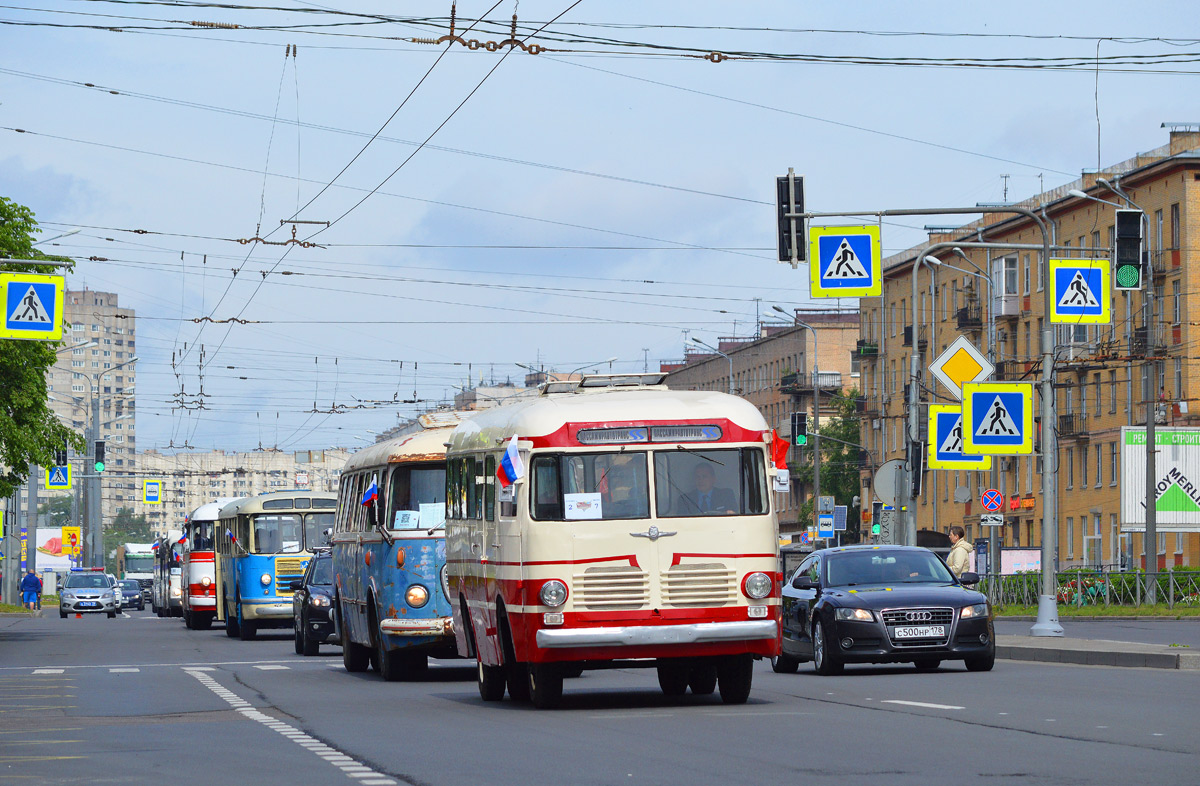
(707, 499)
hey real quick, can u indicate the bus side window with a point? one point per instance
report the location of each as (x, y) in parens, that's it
(753, 490)
(546, 494)
(489, 494)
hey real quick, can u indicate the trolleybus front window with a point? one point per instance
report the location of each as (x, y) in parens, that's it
(590, 486)
(709, 482)
(418, 498)
(315, 525)
(277, 533)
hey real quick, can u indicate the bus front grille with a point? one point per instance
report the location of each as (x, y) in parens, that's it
(611, 588)
(287, 571)
(701, 584)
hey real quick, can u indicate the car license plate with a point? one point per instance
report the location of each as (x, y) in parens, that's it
(87, 604)
(921, 632)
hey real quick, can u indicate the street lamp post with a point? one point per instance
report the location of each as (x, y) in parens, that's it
(722, 354)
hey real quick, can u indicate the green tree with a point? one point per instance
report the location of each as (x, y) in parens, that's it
(58, 509)
(839, 466)
(125, 527)
(29, 430)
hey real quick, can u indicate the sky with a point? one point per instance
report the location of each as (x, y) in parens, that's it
(608, 197)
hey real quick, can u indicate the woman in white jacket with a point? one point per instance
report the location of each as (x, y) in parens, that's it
(960, 551)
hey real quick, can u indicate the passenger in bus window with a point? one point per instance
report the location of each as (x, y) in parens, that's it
(707, 499)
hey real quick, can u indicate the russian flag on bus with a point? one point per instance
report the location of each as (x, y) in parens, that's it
(371, 495)
(230, 535)
(511, 469)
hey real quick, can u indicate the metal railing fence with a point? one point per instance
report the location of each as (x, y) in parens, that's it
(1079, 587)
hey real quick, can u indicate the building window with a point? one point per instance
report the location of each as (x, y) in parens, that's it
(1175, 225)
(1158, 230)
(1010, 275)
(1096, 239)
(1112, 463)
(1112, 391)
(1083, 467)
(1040, 278)
(1178, 379)
(1070, 468)
(1176, 302)
(1070, 538)
(1099, 464)
(1025, 274)
(1097, 391)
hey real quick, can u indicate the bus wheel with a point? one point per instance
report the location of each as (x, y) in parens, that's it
(491, 681)
(672, 678)
(784, 664)
(389, 663)
(202, 620)
(734, 677)
(516, 673)
(545, 685)
(187, 620)
(231, 626)
(702, 678)
(355, 657)
(246, 629)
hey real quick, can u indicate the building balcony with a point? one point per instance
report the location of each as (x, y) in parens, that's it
(970, 317)
(907, 342)
(797, 382)
(1073, 426)
(1006, 305)
(867, 349)
(1014, 370)
(1144, 341)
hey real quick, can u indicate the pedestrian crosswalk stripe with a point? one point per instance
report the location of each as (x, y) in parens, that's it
(272, 667)
(47, 671)
(123, 671)
(997, 422)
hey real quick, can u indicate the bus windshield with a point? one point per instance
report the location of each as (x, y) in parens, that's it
(590, 486)
(139, 563)
(315, 525)
(277, 533)
(201, 535)
(417, 497)
(728, 482)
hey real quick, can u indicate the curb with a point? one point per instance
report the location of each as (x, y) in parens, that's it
(1095, 617)
(1130, 656)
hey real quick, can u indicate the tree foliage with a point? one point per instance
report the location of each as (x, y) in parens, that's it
(29, 430)
(58, 509)
(839, 465)
(125, 527)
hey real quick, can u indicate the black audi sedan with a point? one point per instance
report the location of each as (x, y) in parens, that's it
(883, 604)
(312, 605)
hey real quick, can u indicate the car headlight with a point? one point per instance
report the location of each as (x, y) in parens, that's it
(106, 595)
(862, 615)
(265, 579)
(553, 593)
(206, 582)
(416, 596)
(319, 600)
(757, 585)
(978, 610)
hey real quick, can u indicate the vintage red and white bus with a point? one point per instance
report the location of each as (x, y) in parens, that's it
(197, 576)
(640, 534)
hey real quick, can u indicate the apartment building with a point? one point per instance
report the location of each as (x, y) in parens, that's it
(994, 297)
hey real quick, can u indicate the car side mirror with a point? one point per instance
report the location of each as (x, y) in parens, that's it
(804, 583)
(969, 577)
(296, 585)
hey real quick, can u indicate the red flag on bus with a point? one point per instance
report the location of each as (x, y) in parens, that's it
(779, 450)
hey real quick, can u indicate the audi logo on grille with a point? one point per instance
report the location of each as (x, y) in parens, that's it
(918, 616)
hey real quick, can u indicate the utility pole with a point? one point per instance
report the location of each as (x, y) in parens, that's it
(31, 517)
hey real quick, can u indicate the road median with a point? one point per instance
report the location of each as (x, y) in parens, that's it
(1095, 652)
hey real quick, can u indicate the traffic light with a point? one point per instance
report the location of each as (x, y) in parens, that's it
(99, 455)
(60, 457)
(1128, 270)
(799, 428)
(782, 207)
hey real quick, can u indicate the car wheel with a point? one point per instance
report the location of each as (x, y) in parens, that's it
(491, 681)
(62, 615)
(825, 661)
(112, 615)
(545, 685)
(309, 645)
(734, 677)
(702, 679)
(673, 678)
(982, 663)
(784, 664)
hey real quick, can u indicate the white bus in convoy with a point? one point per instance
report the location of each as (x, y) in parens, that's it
(639, 532)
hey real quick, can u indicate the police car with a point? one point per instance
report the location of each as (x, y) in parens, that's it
(88, 591)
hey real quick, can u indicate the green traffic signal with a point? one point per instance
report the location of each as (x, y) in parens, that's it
(99, 466)
(1129, 276)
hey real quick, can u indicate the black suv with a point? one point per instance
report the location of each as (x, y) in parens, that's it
(312, 605)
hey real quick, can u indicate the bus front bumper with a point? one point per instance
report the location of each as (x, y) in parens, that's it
(267, 610)
(657, 635)
(435, 626)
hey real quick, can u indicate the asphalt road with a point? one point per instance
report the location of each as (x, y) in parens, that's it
(140, 699)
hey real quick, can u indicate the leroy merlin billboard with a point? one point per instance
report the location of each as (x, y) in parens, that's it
(1177, 469)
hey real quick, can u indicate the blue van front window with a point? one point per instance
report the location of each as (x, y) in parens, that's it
(417, 497)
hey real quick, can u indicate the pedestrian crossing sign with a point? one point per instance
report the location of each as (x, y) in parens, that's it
(946, 441)
(845, 261)
(1082, 291)
(152, 492)
(33, 306)
(58, 478)
(998, 418)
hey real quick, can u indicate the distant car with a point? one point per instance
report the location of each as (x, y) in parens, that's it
(883, 604)
(131, 595)
(312, 604)
(88, 592)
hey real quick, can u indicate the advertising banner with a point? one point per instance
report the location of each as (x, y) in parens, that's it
(1177, 470)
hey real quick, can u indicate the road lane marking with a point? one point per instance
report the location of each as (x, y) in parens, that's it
(924, 704)
(47, 671)
(347, 764)
(130, 670)
(272, 667)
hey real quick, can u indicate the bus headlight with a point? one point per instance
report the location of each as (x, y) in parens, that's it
(265, 579)
(416, 596)
(206, 582)
(176, 592)
(757, 585)
(553, 593)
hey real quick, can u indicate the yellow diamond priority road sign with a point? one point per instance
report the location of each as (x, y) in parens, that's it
(959, 364)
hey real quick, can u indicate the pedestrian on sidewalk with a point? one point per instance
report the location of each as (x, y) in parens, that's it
(31, 590)
(960, 551)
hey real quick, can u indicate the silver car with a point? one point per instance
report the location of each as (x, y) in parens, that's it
(88, 592)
